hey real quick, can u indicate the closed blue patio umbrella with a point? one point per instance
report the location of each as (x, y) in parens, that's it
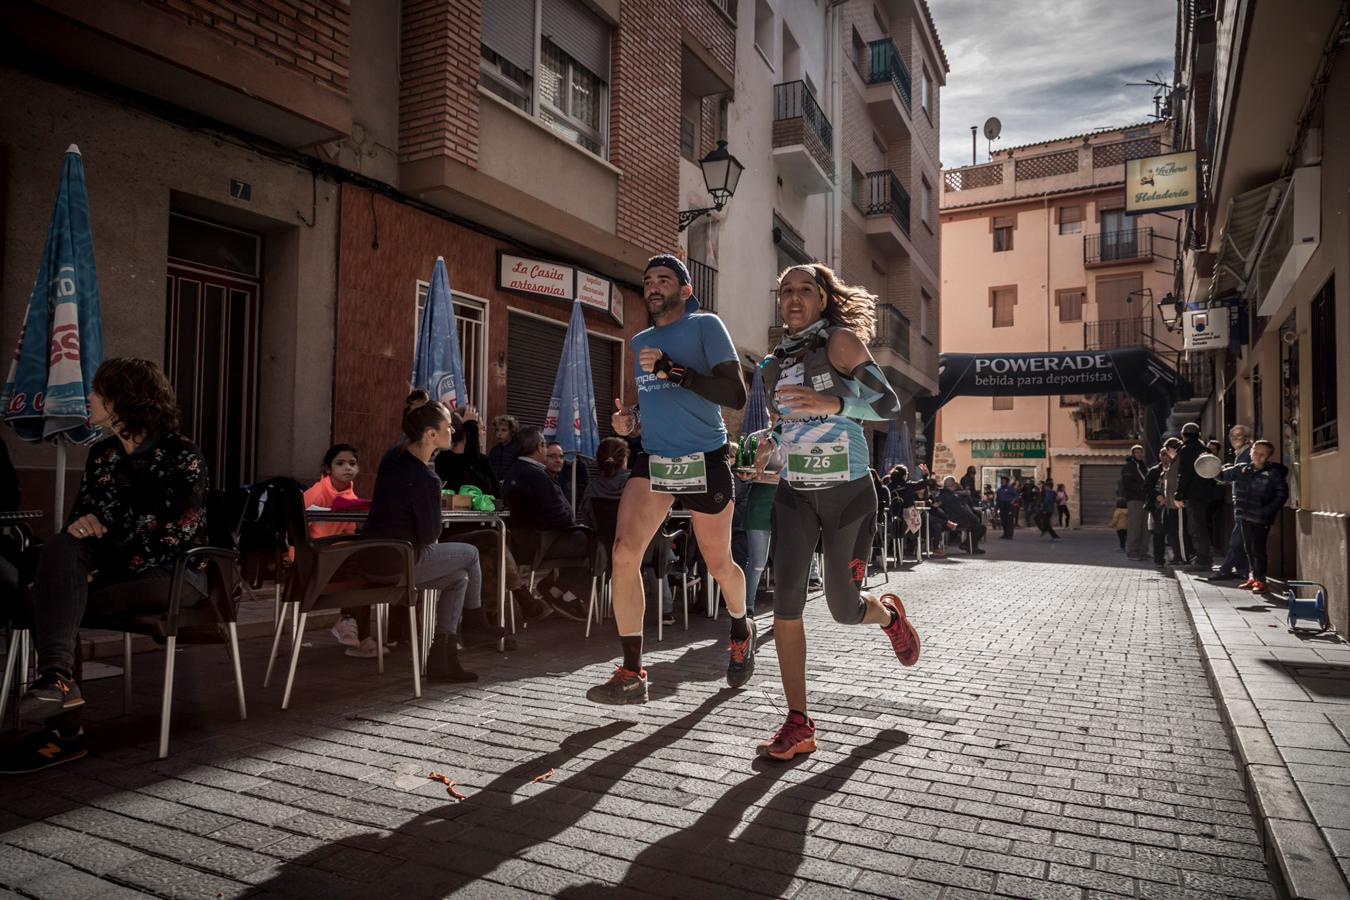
(438, 367)
(890, 454)
(571, 410)
(60, 347)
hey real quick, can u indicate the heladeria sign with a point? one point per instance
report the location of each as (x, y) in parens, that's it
(542, 278)
(1160, 183)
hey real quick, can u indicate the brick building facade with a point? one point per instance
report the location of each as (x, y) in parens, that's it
(304, 162)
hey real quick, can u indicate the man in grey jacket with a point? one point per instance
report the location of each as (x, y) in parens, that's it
(1234, 565)
(1132, 489)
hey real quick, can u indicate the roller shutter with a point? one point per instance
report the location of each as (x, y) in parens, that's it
(579, 33)
(1097, 493)
(533, 353)
(508, 30)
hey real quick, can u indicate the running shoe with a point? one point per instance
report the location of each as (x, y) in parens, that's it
(1246, 584)
(623, 688)
(52, 694)
(742, 663)
(667, 618)
(42, 750)
(568, 609)
(904, 639)
(1258, 587)
(796, 735)
(345, 632)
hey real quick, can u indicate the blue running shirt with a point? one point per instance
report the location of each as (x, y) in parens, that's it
(675, 420)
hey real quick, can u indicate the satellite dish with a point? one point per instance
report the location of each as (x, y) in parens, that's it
(992, 128)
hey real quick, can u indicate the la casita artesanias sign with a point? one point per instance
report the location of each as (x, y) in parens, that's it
(1132, 370)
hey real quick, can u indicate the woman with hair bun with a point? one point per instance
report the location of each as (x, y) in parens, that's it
(406, 506)
(824, 382)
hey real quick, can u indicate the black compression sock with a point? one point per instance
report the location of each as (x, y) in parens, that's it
(894, 618)
(632, 652)
(740, 628)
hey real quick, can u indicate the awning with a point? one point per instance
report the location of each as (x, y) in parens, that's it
(1249, 217)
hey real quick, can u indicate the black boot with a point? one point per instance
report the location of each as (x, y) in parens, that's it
(531, 607)
(443, 660)
(476, 630)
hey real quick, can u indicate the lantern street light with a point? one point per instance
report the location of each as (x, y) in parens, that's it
(1171, 307)
(721, 172)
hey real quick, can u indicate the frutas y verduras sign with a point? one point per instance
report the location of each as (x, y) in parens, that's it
(1160, 183)
(1007, 448)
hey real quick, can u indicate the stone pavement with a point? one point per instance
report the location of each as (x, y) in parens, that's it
(1057, 740)
(1286, 699)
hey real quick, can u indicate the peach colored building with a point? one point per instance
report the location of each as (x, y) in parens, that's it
(1038, 254)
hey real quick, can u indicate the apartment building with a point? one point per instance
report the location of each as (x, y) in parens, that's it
(1262, 95)
(1039, 255)
(271, 182)
(886, 87)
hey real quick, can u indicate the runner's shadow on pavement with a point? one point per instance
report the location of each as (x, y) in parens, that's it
(465, 842)
(764, 856)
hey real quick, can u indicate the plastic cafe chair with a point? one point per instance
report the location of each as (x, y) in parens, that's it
(323, 576)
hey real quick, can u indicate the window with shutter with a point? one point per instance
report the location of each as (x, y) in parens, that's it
(1070, 303)
(1003, 233)
(1003, 300)
(507, 50)
(1071, 219)
(533, 354)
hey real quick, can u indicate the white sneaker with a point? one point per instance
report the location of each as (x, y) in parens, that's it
(365, 650)
(345, 632)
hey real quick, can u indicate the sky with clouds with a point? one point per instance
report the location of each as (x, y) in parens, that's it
(1048, 68)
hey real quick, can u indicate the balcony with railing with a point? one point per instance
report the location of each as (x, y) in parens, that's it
(885, 203)
(703, 277)
(727, 8)
(803, 139)
(1113, 334)
(888, 87)
(892, 331)
(1116, 248)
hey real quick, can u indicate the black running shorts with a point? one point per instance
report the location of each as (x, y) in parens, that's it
(721, 482)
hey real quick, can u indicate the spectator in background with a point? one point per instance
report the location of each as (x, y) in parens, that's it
(1132, 489)
(340, 468)
(1193, 496)
(612, 462)
(538, 504)
(1234, 565)
(1045, 513)
(1160, 486)
(969, 485)
(1267, 489)
(1006, 500)
(1062, 504)
(502, 456)
(560, 468)
(1030, 498)
(1118, 519)
(464, 463)
(953, 506)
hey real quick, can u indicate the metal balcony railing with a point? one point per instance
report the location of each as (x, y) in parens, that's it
(727, 8)
(1199, 371)
(1113, 246)
(1112, 334)
(892, 330)
(704, 279)
(794, 100)
(887, 196)
(886, 64)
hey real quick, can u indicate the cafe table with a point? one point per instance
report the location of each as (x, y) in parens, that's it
(495, 519)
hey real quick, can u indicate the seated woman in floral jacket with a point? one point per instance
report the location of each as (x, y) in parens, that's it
(141, 505)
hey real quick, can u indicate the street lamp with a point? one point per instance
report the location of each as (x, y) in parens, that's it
(1171, 307)
(721, 172)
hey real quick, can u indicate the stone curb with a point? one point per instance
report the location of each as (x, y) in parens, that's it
(1287, 831)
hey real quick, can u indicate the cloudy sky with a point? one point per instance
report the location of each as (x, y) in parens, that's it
(1048, 68)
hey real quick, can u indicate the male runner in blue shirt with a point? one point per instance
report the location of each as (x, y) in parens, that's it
(686, 369)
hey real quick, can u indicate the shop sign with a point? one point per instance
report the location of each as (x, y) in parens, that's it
(1207, 329)
(1160, 183)
(1008, 448)
(543, 278)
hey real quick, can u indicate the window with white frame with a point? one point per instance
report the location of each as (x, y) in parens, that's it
(471, 329)
(567, 86)
(923, 88)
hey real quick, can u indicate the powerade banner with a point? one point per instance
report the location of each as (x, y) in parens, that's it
(1132, 370)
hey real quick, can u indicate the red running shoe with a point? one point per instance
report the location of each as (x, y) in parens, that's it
(1257, 587)
(1246, 584)
(796, 735)
(903, 637)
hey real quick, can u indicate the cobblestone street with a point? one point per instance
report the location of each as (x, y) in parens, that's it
(1057, 740)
